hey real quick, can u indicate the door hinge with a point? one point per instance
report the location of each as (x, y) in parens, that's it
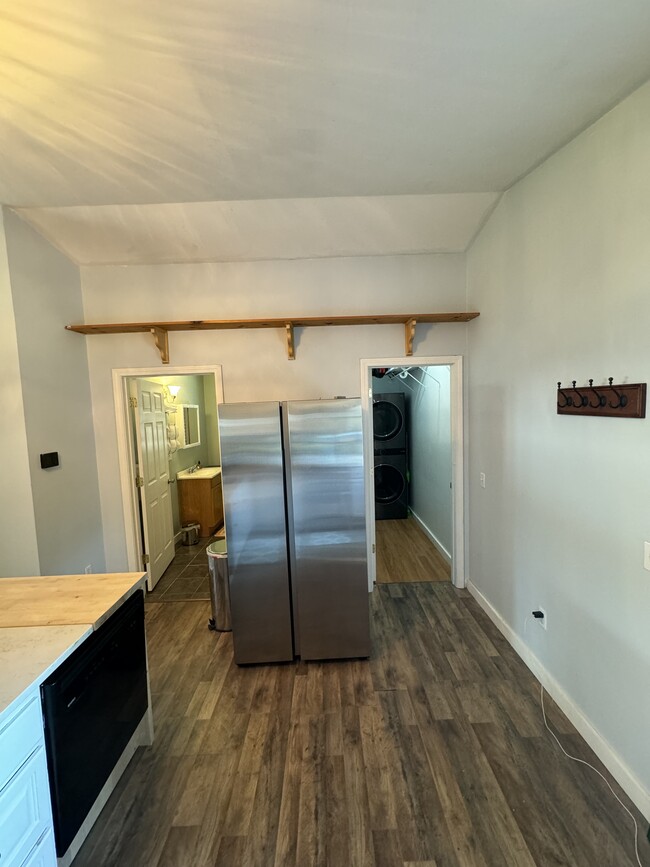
(145, 559)
(369, 392)
(133, 401)
(139, 482)
(374, 548)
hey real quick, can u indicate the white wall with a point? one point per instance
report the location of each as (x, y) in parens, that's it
(430, 447)
(255, 365)
(211, 422)
(18, 544)
(561, 275)
(56, 394)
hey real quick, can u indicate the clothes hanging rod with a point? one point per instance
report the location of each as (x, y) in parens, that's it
(160, 330)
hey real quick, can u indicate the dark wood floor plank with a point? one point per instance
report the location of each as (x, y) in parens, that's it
(178, 847)
(496, 833)
(356, 787)
(537, 818)
(261, 843)
(287, 839)
(431, 754)
(386, 849)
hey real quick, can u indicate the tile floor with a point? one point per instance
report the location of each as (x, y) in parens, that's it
(186, 576)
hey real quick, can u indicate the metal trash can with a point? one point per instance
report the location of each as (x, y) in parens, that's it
(219, 586)
(190, 533)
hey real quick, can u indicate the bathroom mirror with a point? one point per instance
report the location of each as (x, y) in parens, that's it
(189, 427)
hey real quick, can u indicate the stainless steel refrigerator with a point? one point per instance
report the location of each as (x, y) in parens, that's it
(293, 487)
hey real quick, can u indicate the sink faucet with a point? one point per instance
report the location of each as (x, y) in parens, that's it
(195, 467)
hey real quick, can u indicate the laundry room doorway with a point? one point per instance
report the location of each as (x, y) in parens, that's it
(413, 454)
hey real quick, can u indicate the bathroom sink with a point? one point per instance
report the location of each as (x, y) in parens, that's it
(203, 473)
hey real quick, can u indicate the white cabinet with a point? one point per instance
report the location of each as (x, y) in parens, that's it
(25, 811)
(43, 854)
(20, 734)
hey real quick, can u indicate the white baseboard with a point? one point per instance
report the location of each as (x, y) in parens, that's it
(630, 784)
(445, 553)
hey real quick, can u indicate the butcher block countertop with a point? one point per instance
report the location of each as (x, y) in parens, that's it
(63, 600)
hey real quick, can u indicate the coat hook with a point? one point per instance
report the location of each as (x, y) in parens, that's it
(582, 400)
(622, 398)
(599, 397)
(567, 400)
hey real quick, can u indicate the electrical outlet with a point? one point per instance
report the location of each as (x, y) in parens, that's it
(89, 568)
(543, 621)
(646, 556)
(482, 479)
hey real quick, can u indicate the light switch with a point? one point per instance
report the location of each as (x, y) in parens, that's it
(482, 479)
(646, 556)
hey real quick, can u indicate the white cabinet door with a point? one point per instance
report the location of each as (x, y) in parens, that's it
(43, 855)
(25, 812)
(20, 734)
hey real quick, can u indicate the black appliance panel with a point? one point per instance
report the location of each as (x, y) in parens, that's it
(92, 704)
(391, 487)
(389, 422)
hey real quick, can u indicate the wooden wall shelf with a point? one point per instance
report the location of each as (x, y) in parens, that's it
(160, 330)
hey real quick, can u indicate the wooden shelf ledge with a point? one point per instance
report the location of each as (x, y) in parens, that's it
(160, 330)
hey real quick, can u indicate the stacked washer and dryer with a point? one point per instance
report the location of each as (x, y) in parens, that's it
(391, 456)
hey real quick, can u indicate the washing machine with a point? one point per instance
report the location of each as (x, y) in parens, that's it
(389, 422)
(391, 487)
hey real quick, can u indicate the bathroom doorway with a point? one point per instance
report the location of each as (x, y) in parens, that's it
(168, 447)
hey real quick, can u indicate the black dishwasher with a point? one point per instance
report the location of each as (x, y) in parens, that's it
(92, 704)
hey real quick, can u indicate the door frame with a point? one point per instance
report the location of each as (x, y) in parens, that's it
(455, 363)
(126, 444)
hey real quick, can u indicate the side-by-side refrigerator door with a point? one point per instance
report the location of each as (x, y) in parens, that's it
(256, 534)
(325, 488)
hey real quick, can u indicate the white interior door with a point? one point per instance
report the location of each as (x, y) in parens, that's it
(153, 461)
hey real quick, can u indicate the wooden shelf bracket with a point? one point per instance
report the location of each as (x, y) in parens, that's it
(291, 346)
(161, 339)
(409, 335)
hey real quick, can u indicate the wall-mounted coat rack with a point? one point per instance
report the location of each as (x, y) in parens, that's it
(160, 330)
(622, 401)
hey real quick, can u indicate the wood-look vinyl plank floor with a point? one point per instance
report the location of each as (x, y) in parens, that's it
(431, 754)
(406, 555)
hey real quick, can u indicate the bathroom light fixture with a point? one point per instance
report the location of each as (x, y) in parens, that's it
(173, 391)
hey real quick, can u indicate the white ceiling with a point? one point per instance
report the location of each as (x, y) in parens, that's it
(124, 102)
(271, 229)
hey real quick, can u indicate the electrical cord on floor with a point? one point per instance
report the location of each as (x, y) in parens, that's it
(582, 762)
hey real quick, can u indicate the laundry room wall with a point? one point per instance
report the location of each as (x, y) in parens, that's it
(430, 496)
(428, 401)
(255, 365)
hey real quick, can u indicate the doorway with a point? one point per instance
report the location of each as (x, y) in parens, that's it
(413, 454)
(167, 427)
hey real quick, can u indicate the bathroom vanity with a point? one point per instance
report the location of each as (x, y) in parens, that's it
(200, 499)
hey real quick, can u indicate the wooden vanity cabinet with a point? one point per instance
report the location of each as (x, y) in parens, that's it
(200, 501)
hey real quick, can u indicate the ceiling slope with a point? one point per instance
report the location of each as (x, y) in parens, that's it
(275, 229)
(119, 102)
